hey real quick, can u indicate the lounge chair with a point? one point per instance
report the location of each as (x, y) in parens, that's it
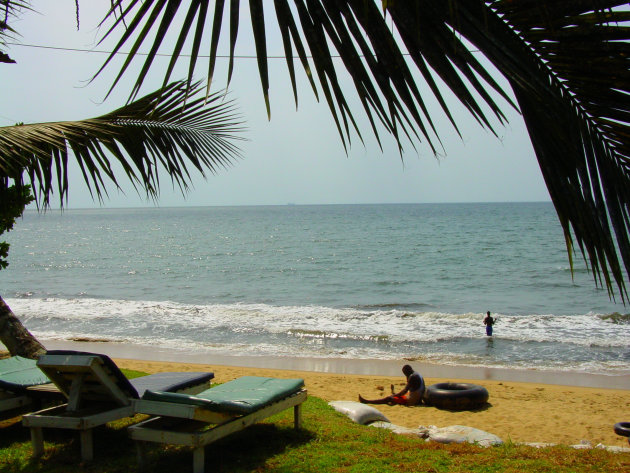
(17, 375)
(230, 407)
(97, 392)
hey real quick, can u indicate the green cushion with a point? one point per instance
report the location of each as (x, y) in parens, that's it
(241, 396)
(17, 373)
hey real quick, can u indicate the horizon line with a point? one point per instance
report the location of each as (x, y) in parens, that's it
(288, 204)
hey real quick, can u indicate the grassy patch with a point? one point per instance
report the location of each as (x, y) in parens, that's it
(329, 442)
(130, 374)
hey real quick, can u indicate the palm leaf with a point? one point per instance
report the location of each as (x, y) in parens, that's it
(256, 11)
(565, 60)
(156, 131)
(9, 11)
(578, 121)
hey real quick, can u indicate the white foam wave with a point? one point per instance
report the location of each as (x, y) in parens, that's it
(582, 342)
(129, 317)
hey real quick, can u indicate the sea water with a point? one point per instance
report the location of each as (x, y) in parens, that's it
(408, 281)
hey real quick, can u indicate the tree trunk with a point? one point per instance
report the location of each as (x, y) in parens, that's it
(15, 337)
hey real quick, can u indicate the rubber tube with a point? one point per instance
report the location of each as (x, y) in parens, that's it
(456, 396)
(623, 428)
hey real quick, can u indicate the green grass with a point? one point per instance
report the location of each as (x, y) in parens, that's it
(130, 374)
(328, 442)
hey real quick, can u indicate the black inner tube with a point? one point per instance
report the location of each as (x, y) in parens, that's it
(623, 429)
(456, 396)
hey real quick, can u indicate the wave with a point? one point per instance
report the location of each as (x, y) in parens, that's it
(96, 340)
(368, 331)
(616, 318)
(337, 335)
(365, 320)
(395, 305)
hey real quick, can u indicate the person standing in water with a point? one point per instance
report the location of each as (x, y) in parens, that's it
(411, 395)
(488, 321)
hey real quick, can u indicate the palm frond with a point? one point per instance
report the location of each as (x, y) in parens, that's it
(156, 131)
(571, 81)
(9, 10)
(358, 34)
(566, 61)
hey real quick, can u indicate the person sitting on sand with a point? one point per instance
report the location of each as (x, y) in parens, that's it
(414, 388)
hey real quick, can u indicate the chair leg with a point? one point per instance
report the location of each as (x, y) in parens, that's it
(141, 454)
(198, 460)
(87, 445)
(37, 440)
(297, 416)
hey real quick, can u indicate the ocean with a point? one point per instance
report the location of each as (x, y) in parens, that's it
(389, 282)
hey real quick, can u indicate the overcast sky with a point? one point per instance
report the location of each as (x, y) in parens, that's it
(297, 157)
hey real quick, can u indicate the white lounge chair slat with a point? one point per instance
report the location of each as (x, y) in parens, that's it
(183, 411)
(109, 385)
(15, 402)
(96, 381)
(59, 417)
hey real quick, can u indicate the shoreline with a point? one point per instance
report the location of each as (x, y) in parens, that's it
(349, 366)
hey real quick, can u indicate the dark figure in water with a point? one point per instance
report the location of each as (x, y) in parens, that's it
(488, 322)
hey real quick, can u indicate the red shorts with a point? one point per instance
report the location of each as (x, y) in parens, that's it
(399, 400)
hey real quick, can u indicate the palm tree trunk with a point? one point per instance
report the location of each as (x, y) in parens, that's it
(15, 337)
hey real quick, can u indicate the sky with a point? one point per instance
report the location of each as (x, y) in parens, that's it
(296, 157)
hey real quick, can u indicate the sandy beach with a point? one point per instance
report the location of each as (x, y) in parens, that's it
(518, 411)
